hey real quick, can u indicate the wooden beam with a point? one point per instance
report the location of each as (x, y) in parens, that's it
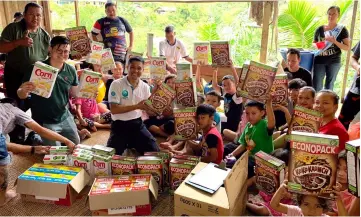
(47, 17)
(77, 21)
(267, 7)
(353, 21)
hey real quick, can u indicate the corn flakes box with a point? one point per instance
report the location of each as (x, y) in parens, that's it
(200, 52)
(107, 62)
(279, 90)
(79, 41)
(101, 165)
(257, 82)
(95, 57)
(158, 68)
(220, 53)
(184, 71)
(161, 98)
(353, 166)
(313, 164)
(88, 84)
(123, 165)
(305, 120)
(62, 150)
(129, 55)
(185, 123)
(82, 160)
(103, 150)
(56, 159)
(96, 46)
(43, 77)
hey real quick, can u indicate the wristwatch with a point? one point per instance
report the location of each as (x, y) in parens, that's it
(32, 149)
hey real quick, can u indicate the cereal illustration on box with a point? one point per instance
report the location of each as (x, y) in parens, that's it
(200, 52)
(158, 68)
(88, 84)
(79, 40)
(279, 90)
(43, 77)
(161, 98)
(151, 165)
(186, 93)
(305, 120)
(179, 170)
(123, 165)
(220, 53)
(184, 71)
(185, 123)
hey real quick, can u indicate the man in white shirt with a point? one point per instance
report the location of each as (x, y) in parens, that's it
(126, 98)
(173, 49)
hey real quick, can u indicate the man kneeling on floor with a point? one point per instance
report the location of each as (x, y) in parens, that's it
(126, 100)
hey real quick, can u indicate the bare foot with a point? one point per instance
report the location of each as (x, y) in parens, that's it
(84, 133)
(166, 145)
(9, 195)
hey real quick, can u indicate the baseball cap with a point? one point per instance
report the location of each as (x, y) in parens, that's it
(169, 29)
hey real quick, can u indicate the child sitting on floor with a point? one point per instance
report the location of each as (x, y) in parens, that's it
(308, 205)
(257, 135)
(260, 204)
(213, 98)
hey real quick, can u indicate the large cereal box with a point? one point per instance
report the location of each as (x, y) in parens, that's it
(79, 40)
(305, 120)
(56, 159)
(353, 166)
(200, 52)
(186, 93)
(107, 60)
(123, 165)
(150, 37)
(96, 46)
(220, 53)
(188, 157)
(158, 68)
(88, 84)
(95, 57)
(313, 164)
(43, 77)
(129, 55)
(62, 150)
(103, 150)
(161, 98)
(242, 77)
(179, 170)
(166, 158)
(84, 161)
(185, 123)
(151, 165)
(258, 81)
(279, 90)
(269, 171)
(101, 165)
(146, 72)
(184, 71)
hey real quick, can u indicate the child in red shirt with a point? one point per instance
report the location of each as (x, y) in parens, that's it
(327, 103)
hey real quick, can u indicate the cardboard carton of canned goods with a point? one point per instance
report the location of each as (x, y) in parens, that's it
(353, 166)
(103, 150)
(151, 165)
(56, 159)
(63, 150)
(123, 165)
(43, 77)
(200, 52)
(101, 165)
(88, 84)
(179, 170)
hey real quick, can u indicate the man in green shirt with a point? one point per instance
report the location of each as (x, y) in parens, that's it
(53, 112)
(25, 42)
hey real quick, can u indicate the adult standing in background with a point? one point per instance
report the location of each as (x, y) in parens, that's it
(351, 105)
(25, 42)
(293, 68)
(328, 60)
(112, 29)
(173, 49)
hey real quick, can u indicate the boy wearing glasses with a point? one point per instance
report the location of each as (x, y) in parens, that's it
(53, 112)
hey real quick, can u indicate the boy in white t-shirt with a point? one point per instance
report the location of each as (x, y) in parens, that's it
(173, 49)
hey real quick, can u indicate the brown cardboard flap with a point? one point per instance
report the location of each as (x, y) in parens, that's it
(119, 199)
(236, 179)
(44, 189)
(153, 187)
(80, 181)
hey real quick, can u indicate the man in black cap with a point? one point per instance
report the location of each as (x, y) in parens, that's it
(173, 49)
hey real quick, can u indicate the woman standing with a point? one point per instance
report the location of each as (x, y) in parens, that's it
(328, 58)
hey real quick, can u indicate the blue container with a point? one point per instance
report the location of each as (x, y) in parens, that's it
(306, 58)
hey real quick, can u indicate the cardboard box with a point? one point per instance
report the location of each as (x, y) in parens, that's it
(108, 62)
(82, 151)
(313, 164)
(146, 73)
(353, 166)
(112, 196)
(242, 77)
(54, 184)
(184, 71)
(220, 53)
(279, 90)
(200, 52)
(56, 159)
(158, 68)
(270, 172)
(186, 93)
(123, 165)
(305, 120)
(103, 150)
(88, 84)
(95, 57)
(229, 200)
(179, 170)
(85, 147)
(166, 159)
(61, 150)
(161, 98)
(84, 161)
(43, 76)
(151, 165)
(185, 123)
(79, 40)
(101, 165)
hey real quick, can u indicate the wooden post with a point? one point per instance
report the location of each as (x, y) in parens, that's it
(265, 31)
(353, 21)
(77, 21)
(47, 17)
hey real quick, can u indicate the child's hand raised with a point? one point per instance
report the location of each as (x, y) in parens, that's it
(283, 187)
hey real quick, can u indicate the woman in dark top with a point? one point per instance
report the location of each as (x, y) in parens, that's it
(328, 60)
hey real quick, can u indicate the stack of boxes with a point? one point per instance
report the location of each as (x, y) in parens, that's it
(58, 155)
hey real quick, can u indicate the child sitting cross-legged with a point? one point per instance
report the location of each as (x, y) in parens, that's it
(257, 135)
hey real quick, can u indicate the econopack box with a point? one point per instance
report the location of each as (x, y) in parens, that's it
(313, 164)
(179, 170)
(101, 165)
(123, 165)
(103, 150)
(107, 62)
(186, 93)
(56, 159)
(79, 40)
(184, 71)
(279, 90)
(185, 123)
(188, 157)
(200, 52)
(162, 97)
(158, 68)
(55, 184)
(269, 171)
(151, 165)
(43, 77)
(305, 120)
(88, 84)
(166, 159)
(220, 53)
(353, 166)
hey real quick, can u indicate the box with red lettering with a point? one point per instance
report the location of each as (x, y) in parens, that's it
(128, 195)
(313, 164)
